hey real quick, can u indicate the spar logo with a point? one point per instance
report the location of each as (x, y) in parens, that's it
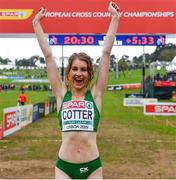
(10, 120)
(77, 105)
(160, 109)
(15, 14)
(165, 109)
(74, 104)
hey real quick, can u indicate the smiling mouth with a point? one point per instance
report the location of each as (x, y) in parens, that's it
(78, 81)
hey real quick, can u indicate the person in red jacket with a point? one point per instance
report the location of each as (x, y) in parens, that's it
(22, 98)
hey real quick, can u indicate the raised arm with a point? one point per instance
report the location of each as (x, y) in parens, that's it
(101, 82)
(52, 70)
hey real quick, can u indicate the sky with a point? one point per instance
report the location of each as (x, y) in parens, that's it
(18, 48)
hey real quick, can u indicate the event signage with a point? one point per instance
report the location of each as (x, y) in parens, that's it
(26, 115)
(120, 40)
(89, 16)
(16, 117)
(166, 109)
(1, 132)
(135, 102)
(115, 87)
(11, 122)
(35, 114)
(164, 83)
(47, 108)
(41, 109)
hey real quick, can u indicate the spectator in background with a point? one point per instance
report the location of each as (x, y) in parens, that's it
(22, 99)
(22, 88)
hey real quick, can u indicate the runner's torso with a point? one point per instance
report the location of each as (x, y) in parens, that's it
(78, 121)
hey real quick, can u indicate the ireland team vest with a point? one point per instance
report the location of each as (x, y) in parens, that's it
(78, 115)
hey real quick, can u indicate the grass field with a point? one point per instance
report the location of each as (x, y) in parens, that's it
(133, 76)
(132, 146)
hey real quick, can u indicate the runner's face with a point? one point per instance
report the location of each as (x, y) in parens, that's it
(78, 76)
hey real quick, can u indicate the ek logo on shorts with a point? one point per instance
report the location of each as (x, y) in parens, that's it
(83, 169)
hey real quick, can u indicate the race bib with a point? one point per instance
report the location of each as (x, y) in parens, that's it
(77, 115)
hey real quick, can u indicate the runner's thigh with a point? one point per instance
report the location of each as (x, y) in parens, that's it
(59, 174)
(97, 174)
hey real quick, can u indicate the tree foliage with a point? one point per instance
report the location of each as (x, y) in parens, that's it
(4, 61)
(161, 53)
(27, 62)
(112, 65)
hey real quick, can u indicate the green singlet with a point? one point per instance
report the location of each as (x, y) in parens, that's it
(78, 115)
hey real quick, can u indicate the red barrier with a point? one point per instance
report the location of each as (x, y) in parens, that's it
(164, 83)
(131, 86)
(1, 132)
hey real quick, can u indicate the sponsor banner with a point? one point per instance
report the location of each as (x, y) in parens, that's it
(15, 14)
(47, 108)
(41, 109)
(31, 81)
(164, 83)
(163, 109)
(123, 86)
(3, 77)
(114, 88)
(90, 16)
(15, 77)
(135, 102)
(35, 114)
(25, 114)
(131, 86)
(11, 121)
(11, 77)
(1, 132)
(133, 95)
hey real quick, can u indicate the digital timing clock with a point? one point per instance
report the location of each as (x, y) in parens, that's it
(79, 40)
(143, 40)
(75, 39)
(120, 40)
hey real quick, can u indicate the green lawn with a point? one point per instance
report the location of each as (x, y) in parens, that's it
(133, 76)
(114, 110)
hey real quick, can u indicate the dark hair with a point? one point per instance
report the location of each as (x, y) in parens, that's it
(83, 57)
